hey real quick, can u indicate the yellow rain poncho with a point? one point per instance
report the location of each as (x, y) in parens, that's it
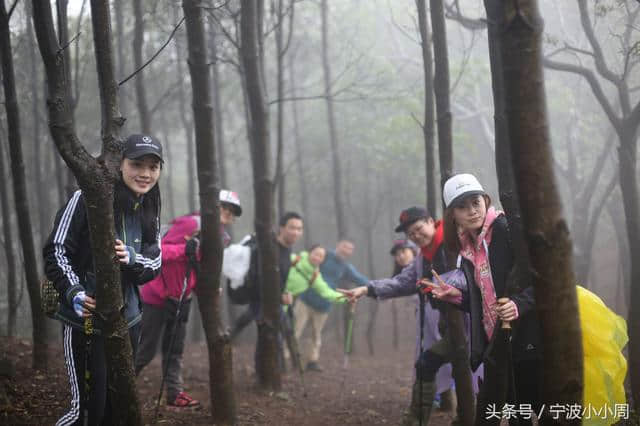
(604, 335)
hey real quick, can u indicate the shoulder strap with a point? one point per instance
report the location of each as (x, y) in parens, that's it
(313, 277)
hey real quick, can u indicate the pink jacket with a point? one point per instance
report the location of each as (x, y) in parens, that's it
(174, 263)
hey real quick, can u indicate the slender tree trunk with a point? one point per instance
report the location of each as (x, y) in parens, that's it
(341, 221)
(169, 168)
(441, 90)
(428, 122)
(627, 158)
(138, 41)
(188, 129)
(40, 188)
(118, 7)
(7, 230)
(217, 105)
(454, 317)
(218, 343)
(96, 179)
(269, 324)
(545, 229)
(20, 193)
(298, 142)
(279, 36)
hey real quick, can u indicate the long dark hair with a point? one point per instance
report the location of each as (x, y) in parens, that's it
(151, 206)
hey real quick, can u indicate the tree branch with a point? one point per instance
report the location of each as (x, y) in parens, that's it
(11, 9)
(452, 12)
(593, 82)
(598, 55)
(155, 55)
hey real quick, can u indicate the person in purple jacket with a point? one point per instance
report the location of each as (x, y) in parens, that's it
(433, 372)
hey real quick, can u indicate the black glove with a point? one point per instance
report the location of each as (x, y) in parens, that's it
(191, 249)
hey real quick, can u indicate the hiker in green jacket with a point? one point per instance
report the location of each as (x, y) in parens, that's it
(305, 274)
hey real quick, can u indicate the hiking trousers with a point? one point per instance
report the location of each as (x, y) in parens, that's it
(157, 324)
(303, 313)
(75, 344)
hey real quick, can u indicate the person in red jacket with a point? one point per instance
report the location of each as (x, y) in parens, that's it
(180, 255)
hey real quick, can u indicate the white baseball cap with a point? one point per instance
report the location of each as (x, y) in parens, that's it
(232, 199)
(460, 186)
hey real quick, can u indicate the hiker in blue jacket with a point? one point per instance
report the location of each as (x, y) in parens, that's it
(334, 269)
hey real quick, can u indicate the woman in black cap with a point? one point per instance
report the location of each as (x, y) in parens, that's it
(69, 265)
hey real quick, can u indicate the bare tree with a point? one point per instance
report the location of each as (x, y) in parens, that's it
(626, 127)
(341, 220)
(545, 229)
(138, 44)
(96, 177)
(428, 123)
(218, 343)
(454, 317)
(299, 155)
(269, 325)
(20, 193)
(7, 232)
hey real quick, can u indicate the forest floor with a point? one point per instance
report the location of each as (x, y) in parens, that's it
(372, 390)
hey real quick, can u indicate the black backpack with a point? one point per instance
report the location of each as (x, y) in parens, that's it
(249, 289)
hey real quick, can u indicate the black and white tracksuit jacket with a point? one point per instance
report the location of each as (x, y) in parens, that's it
(69, 262)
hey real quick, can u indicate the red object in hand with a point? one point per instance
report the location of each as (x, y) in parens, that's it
(423, 288)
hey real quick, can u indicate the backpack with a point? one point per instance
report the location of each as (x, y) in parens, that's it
(246, 290)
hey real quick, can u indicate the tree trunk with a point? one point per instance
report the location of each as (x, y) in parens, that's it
(138, 41)
(41, 189)
(298, 142)
(545, 229)
(269, 324)
(118, 7)
(279, 36)
(96, 178)
(441, 90)
(63, 37)
(428, 121)
(188, 129)
(218, 343)
(341, 221)
(20, 193)
(7, 230)
(627, 157)
(496, 383)
(169, 168)
(217, 105)
(454, 317)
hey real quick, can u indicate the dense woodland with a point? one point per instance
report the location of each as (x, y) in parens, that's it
(347, 112)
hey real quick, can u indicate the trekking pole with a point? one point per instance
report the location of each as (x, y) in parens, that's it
(88, 331)
(295, 349)
(348, 337)
(172, 338)
(420, 413)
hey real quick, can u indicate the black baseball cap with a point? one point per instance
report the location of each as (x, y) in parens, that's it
(137, 146)
(411, 215)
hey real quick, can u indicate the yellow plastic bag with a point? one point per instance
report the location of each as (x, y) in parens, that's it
(604, 335)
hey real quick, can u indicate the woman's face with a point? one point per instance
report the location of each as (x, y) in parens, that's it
(470, 215)
(316, 256)
(404, 256)
(140, 174)
(226, 216)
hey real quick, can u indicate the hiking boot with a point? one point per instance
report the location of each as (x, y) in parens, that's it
(420, 407)
(184, 400)
(314, 366)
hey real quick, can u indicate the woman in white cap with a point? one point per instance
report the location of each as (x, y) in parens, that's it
(69, 265)
(479, 234)
(163, 295)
